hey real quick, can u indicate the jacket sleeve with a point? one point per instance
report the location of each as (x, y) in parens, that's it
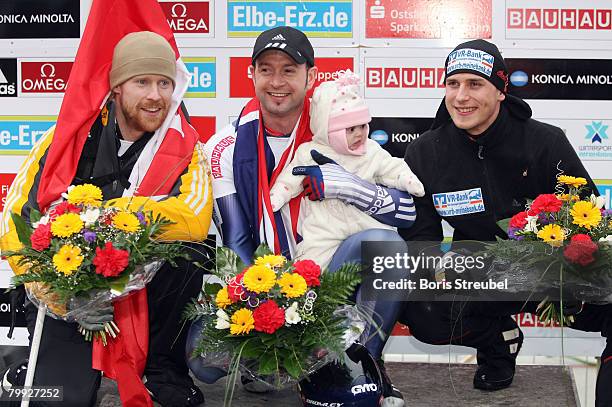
(188, 206)
(21, 197)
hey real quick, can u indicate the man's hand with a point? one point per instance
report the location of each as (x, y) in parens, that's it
(95, 319)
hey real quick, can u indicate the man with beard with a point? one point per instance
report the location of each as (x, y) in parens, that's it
(139, 136)
(483, 140)
(247, 155)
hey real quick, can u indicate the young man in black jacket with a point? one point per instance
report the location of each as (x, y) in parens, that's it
(484, 143)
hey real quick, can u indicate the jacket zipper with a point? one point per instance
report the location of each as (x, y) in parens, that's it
(486, 175)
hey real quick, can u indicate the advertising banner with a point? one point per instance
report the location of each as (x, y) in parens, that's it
(39, 19)
(19, 133)
(604, 186)
(424, 19)
(8, 77)
(5, 183)
(203, 82)
(589, 137)
(555, 20)
(189, 17)
(44, 78)
(565, 79)
(205, 126)
(315, 18)
(404, 77)
(394, 134)
(241, 83)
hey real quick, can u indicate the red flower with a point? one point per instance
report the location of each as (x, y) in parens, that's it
(235, 290)
(110, 262)
(41, 237)
(581, 237)
(63, 208)
(268, 317)
(546, 203)
(580, 250)
(309, 270)
(519, 220)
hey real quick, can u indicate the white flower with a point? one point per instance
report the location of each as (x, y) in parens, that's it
(607, 239)
(65, 194)
(90, 216)
(42, 221)
(223, 321)
(291, 314)
(532, 224)
(598, 201)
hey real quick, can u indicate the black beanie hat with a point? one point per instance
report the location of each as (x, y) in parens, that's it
(482, 58)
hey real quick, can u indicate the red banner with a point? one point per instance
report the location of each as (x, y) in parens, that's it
(454, 19)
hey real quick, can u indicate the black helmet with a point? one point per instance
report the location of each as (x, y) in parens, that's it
(354, 382)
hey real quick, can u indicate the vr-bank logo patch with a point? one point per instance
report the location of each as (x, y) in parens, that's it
(459, 202)
(471, 59)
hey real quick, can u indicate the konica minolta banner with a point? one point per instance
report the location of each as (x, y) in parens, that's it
(39, 19)
(566, 79)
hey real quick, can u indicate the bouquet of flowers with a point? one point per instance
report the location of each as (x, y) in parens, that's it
(81, 254)
(566, 236)
(271, 318)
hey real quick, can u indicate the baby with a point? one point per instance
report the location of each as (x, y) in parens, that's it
(339, 122)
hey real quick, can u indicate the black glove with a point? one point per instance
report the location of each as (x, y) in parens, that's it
(94, 320)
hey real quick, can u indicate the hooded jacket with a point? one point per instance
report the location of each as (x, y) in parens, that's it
(472, 184)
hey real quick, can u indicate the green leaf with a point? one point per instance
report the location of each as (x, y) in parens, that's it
(252, 350)
(503, 224)
(35, 215)
(120, 282)
(23, 230)
(268, 363)
(262, 250)
(212, 288)
(292, 365)
(228, 263)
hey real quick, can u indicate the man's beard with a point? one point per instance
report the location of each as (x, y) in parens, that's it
(134, 116)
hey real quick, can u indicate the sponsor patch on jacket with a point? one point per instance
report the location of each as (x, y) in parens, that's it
(459, 202)
(471, 59)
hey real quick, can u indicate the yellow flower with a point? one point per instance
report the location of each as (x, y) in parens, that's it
(574, 182)
(222, 299)
(67, 259)
(242, 322)
(270, 260)
(552, 234)
(66, 225)
(585, 214)
(126, 221)
(85, 194)
(259, 279)
(567, 197)
(292, 285)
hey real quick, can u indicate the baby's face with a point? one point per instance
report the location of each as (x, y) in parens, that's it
(356, 136)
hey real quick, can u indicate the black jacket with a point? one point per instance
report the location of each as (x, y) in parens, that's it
(515, 159)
